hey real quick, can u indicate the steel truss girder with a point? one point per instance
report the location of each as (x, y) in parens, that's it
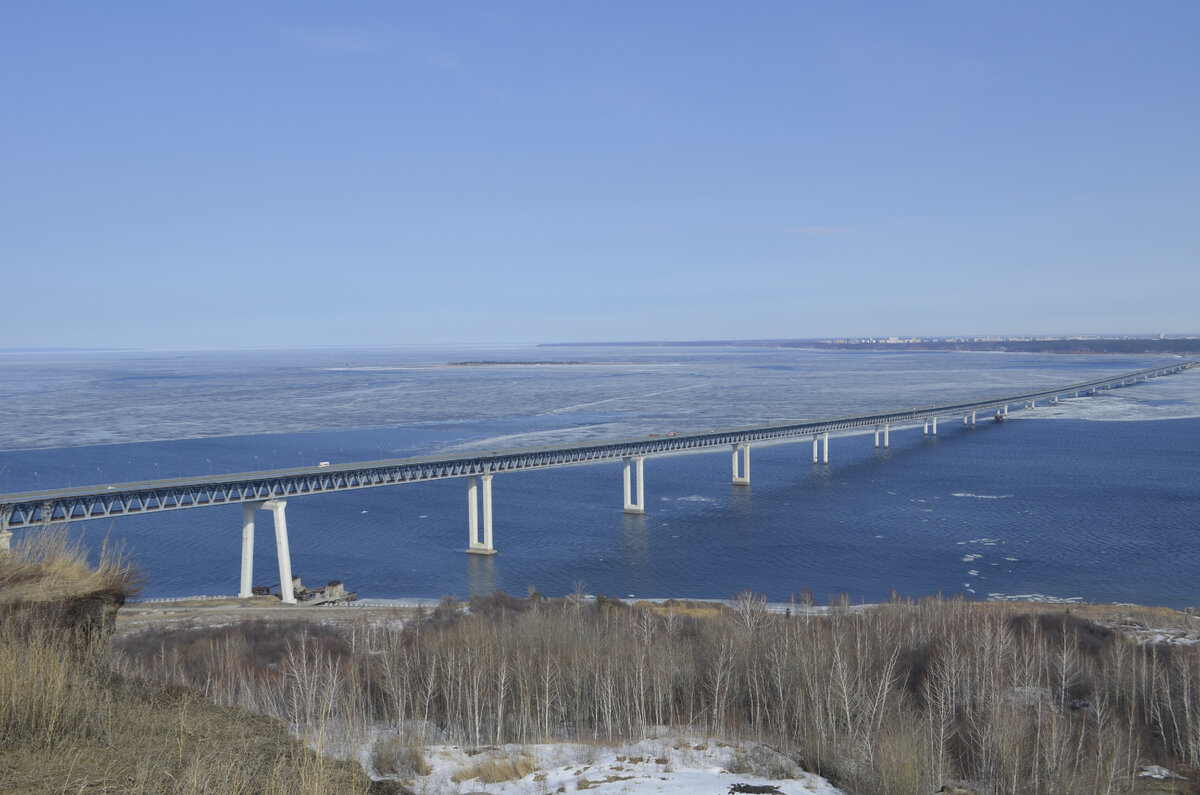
(129, 499)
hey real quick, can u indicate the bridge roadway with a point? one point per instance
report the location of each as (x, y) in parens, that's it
(269, 489)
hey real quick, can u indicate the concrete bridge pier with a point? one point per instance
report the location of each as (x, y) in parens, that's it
(639, 506)
(476, 503)
(277, 508)
(972, 417)
(825, 448)
(248, 510)
(885, 427)
(742, 478)
(815, 448)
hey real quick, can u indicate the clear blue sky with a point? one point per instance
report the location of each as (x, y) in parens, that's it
(224, 174)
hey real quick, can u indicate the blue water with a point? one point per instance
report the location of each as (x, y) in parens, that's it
(1063, 508)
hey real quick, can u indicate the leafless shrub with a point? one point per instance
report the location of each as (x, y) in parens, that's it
(396, 755)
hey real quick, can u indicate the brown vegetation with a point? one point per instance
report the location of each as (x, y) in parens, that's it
(898, 698)
(68, 725)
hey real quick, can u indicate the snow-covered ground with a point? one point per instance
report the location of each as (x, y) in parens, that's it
(668, 766)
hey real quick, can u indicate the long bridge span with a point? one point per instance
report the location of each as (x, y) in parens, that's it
(269, 490)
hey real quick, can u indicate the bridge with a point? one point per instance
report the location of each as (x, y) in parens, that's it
(269, 490)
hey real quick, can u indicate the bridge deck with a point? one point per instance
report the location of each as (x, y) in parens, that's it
(94, 502)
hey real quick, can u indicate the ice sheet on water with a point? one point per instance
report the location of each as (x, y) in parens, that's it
(1175, 397)
(65, 400)
(1034, 597)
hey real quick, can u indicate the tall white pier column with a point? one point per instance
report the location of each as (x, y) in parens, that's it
(632, 505)
(926, 428)
(876, 437)
(276, 507)
(814, 448)
(248, 510)
(741, 478)
(933, 427)
(886, 432)
(825, 448)
(475, 545)
(972, 417)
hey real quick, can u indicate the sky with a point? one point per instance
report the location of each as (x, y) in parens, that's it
(289, 174)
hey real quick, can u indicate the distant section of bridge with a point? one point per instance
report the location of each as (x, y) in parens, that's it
(268, 490)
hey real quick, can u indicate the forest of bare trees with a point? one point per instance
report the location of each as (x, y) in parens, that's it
(899, 698)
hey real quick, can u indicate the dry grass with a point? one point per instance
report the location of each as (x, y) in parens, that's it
(494, 769)
(68, 725)
(401, 756)
(48, 566)
(684, 608)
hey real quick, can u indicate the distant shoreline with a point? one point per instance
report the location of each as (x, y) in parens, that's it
(1090, 345)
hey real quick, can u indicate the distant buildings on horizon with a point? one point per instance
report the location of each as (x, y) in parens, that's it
(997, 338)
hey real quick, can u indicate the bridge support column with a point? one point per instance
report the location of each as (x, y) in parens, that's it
(248, 510)
(638, 506)
(926, 428)
(474, 501)
(814, 448)
(886, 434)
(479, 503)
(825, 448)
(742, 478)
(277, 508)
(933, 427)
(972, 417)
(876, 437)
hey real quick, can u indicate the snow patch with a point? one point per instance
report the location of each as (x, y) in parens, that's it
(660, 765)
